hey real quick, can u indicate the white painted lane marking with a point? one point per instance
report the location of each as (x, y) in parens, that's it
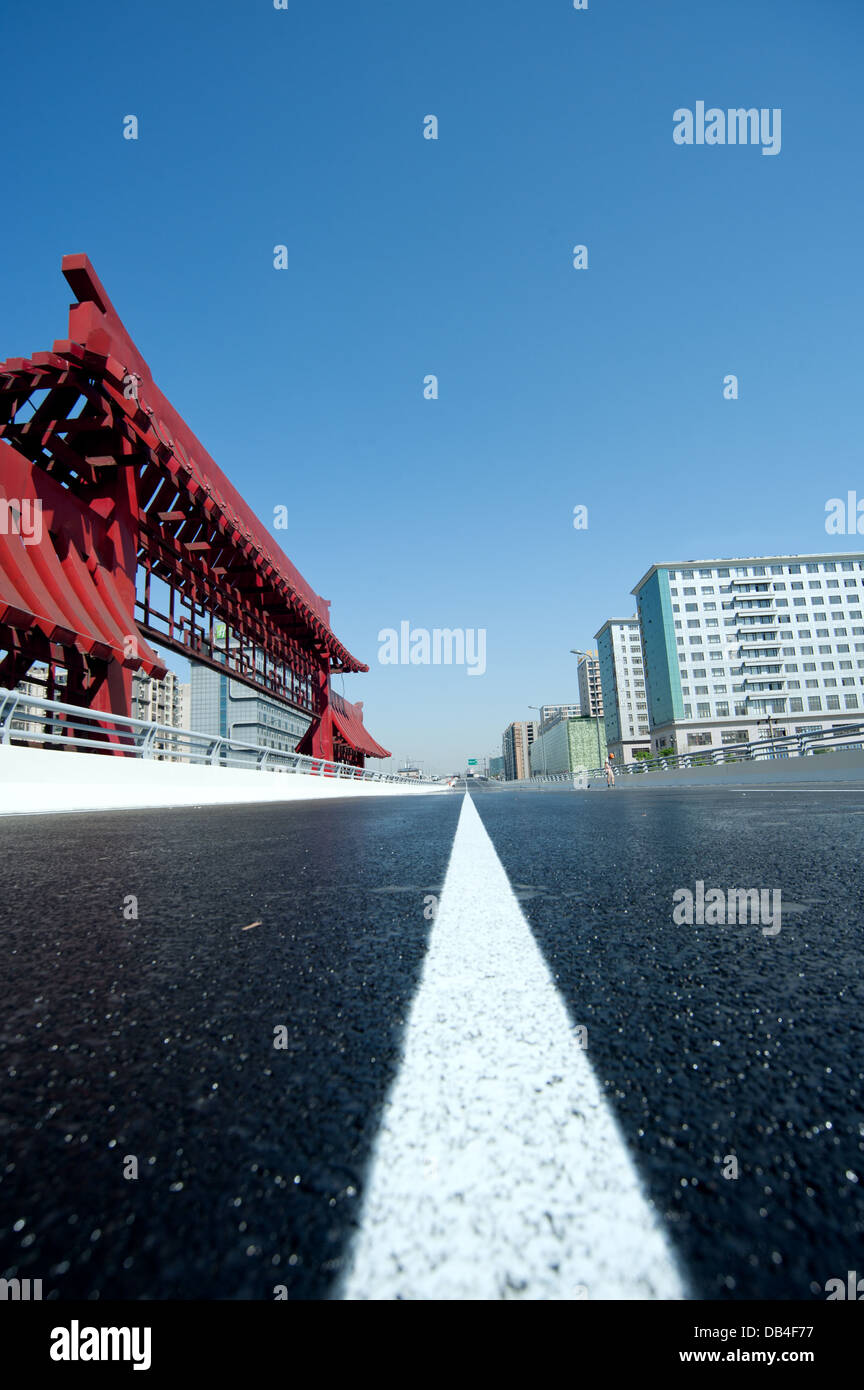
(499, 1170)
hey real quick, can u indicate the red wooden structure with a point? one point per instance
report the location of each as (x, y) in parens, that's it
(104, 488)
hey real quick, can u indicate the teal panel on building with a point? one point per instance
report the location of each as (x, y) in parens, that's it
(608, 685)
(662, 679)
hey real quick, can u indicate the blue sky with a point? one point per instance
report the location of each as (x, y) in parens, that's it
(409, 256)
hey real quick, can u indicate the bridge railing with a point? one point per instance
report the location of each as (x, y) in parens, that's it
(850, 736)
(30, 719)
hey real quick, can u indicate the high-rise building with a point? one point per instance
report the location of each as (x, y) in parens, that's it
(738, 650)
(38, 684)
(590, 691)
(159, 702)
(516, 745)
(496, 767)
(162, 702)
(622, 678)
(233, 710)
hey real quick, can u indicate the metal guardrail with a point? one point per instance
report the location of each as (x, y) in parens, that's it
(789, 746)
(32, 720)
(851, 736)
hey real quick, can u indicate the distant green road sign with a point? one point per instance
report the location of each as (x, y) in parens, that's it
(472, 762)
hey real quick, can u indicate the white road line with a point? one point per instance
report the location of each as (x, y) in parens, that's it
(499, 1171)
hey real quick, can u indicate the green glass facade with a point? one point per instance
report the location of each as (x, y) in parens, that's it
(587, 739)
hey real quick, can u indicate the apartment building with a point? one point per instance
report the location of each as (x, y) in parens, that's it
(38, 684)
(736, 650)
(590, 690)
(516, 744)
(622, 680)
(160, 702)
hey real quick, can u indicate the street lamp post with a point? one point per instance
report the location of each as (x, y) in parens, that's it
(539, 710)
(769, 720)
(588, 657)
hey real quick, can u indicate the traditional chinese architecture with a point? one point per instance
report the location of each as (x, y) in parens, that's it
(117, 529)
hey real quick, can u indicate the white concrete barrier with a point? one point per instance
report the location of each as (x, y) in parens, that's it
(36, 781)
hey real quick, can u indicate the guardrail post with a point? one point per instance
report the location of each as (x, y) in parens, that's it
(7, 712)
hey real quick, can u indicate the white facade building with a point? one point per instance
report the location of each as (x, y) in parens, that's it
(159, 702)
(622, 678)
(36, 685)
(590, 692)
(730, 644)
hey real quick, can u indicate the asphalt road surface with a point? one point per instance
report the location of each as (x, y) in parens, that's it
(357, 1097)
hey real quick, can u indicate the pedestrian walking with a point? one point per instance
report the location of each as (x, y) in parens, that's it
(610, 771)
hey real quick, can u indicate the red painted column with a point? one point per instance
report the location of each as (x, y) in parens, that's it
(117, 503)
(322, 732)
